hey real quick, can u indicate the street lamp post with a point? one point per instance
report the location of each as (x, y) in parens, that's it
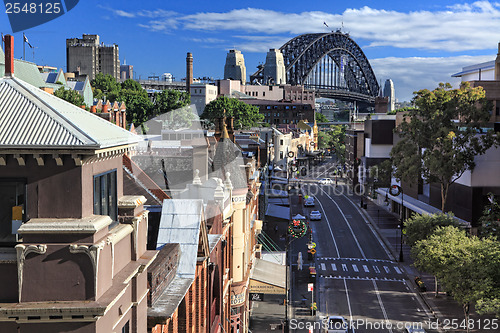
(396, 190)
(401, 223)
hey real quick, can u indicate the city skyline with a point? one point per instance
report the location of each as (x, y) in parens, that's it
(417, 45)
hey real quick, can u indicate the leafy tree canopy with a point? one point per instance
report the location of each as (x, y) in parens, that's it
(320, 118)
(70, 95)
(245, 116)
(420, 227)
(490, 220)
(439, 138)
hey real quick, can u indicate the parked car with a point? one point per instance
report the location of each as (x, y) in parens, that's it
(326, 181)
(337, 324)
(315, 215)
(309, 202)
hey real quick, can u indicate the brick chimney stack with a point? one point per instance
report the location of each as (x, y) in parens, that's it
(189, 72)
(9, 55)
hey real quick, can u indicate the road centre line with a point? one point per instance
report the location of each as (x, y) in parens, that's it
(345, 219)
(389, 255)
(381, 304)
(330, 228)
(348, 301)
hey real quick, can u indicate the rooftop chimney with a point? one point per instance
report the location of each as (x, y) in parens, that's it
(189, 72)
(9, 55)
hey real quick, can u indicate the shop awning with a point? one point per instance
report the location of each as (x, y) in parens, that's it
(278, 212)
(267, 277)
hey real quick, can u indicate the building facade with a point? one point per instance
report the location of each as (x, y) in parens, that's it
(87, 55)
(390, 93)
(73, 245)
(274, 68)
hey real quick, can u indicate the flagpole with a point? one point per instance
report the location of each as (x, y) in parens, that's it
(24, 47)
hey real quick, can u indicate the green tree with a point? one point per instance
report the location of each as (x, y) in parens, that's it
(420, 227)
(245, 116)
(105, 85)
(169, 100)
(70, 95)
(320, 118)
(139, 106)
(130, 84)
(439, 138)
(490, 220)
(324, 140)
(337, 134)
(468, 267)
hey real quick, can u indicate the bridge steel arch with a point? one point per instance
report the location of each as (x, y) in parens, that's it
(344, 71)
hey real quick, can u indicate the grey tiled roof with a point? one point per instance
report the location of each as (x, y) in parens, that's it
(228, 158)
(33, 119)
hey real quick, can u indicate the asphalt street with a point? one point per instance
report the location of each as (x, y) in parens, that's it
(357, 278)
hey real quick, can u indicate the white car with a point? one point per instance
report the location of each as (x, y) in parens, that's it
(315, 215)
(309, 202)
(337, 324)
(326, 181)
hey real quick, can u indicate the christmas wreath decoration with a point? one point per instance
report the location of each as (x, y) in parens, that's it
(395, 190)
(297, 228)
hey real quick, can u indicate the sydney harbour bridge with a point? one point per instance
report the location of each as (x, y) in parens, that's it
(332, 64)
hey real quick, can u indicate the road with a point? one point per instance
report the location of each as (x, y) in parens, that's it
(357, 278)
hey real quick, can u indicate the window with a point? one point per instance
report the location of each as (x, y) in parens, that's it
(126, 327)
(263, 94)
(105, 201)
(12, 208)
(281, 155)
(268, 107)
(281, 142)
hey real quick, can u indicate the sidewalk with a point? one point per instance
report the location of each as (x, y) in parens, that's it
(444, 308)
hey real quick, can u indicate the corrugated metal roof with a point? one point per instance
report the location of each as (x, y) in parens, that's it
(180, 223)
(32, 118)
(475, 68)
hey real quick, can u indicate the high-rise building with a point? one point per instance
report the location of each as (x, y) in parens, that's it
(126, 72)
(389, 92)
(274, 69)
(88, 56)
(235, 67)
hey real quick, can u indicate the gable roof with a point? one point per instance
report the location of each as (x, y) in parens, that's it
(34, 119)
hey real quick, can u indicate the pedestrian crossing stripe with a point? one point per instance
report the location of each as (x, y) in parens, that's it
(366, 268)
(355, 259)
(323, 266)
(334, 267)
(339, 277)
(386, 269)
(355, 268)
(398, 270)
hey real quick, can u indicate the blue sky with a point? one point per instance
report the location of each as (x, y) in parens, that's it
(417, 44)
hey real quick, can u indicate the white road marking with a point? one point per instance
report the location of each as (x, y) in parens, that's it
(376, 269)
(387, 270)
(355, 268)
(344, 267)
(334, 267)
(348, 301)
(345, 219)
(366, 268)
(329, 227)
(323, 266)
(381, 304)
(397, 270)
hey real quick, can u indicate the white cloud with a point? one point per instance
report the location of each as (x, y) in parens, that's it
(415, 73)
(459, 27)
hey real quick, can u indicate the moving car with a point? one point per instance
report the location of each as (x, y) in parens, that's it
(326, 181)
(309, 202)
(315, 215)
(337, 324)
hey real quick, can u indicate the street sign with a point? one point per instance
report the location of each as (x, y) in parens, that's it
(310, 287)
(313, 251)
(313, 245)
